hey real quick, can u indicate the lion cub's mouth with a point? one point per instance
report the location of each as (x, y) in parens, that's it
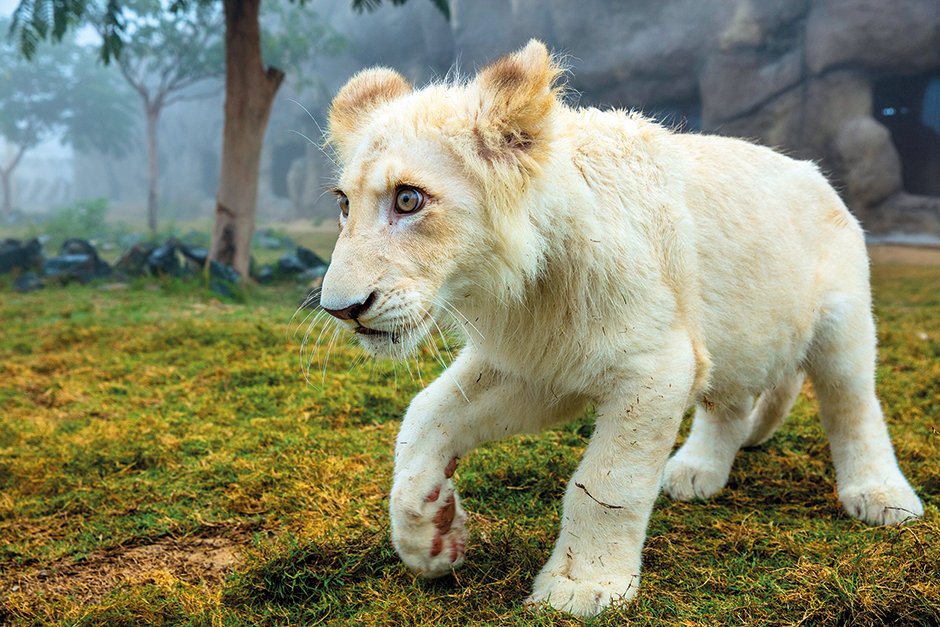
(363, 330)
(367, 331)
(393, 336)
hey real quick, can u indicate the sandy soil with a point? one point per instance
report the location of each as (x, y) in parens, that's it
(906, 255)
(195, 560)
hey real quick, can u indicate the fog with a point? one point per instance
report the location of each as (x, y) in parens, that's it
(855, 88)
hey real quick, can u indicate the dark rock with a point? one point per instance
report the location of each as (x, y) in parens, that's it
(195, 257)
(270, 239)
(224, 280)
(77, 260)
(265, 274)
(312, 274)
(290, 265)
(163, 260)
(67, 268)
(134, 261)
(76, 246)
(14, 254)
(221, 271)
(28, 281)
(309, 258)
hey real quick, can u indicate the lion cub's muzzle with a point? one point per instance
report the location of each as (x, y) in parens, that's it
(352, 311)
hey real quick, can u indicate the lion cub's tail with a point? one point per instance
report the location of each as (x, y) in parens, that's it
(772, 407)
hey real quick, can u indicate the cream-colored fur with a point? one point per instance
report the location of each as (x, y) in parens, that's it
(595, 257)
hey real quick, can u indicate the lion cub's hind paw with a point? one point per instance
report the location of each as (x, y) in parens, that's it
(685, 480)
(581, 597)
(885, 504)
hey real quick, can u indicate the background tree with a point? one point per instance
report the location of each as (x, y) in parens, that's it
(61, 93)
(168, 57)
(250, 87)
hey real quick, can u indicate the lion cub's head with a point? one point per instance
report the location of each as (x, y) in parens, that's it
(432, 194)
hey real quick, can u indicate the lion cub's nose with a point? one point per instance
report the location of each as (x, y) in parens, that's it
(354, 311)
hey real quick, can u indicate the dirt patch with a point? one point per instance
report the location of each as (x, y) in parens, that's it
(907, 255)
(195, 560)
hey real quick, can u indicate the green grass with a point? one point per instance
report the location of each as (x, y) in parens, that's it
(150, 432)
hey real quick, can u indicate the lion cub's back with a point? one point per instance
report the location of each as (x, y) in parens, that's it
(773, 241)
(778, 214)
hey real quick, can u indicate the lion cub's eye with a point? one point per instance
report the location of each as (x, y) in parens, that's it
(343, 203)
(408, 200)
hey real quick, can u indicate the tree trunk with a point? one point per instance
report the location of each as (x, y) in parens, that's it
(249, 93)
(153, 167)
(6, 181)
(5, 176)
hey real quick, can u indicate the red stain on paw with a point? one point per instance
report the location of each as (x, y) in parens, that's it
(436, 546)
(445, 516)
(450, 468)
(436, 492)
(456, 550)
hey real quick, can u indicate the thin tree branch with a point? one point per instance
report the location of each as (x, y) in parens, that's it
(176, 98)
(16, 160)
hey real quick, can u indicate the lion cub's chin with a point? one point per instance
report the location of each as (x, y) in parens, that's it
(397, 345)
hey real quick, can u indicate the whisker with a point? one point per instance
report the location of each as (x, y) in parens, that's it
(316, 352)
(408, 368)
(327, 360)
(448, 372)
(450, 307)
(303, 305)
(305, 364)
(316, 345)
(319, 128)
(429, 332)
(357, 361)
(437, 353)
(418, 368)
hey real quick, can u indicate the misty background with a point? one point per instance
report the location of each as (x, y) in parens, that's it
(852, 84)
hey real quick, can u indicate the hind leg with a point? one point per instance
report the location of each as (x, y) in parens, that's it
(773, 407)
(701, 467)
(841, 366)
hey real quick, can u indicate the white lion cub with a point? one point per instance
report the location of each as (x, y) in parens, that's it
(595, 257)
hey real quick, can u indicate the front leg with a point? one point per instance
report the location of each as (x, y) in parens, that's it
(596, 561)
(467, 405)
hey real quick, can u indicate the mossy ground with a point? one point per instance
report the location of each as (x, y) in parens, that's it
(164, 461)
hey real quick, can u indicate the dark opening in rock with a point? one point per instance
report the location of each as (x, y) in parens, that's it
(909, 107)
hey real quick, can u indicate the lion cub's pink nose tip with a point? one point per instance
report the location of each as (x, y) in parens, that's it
(354, 311)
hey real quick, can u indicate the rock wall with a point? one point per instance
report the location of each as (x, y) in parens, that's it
(794, 74)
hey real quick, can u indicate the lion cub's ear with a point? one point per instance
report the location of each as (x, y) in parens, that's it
(364, 92)
(517, 95)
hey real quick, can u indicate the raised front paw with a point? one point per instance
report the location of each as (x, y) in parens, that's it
(582, 597)
(429, 525)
